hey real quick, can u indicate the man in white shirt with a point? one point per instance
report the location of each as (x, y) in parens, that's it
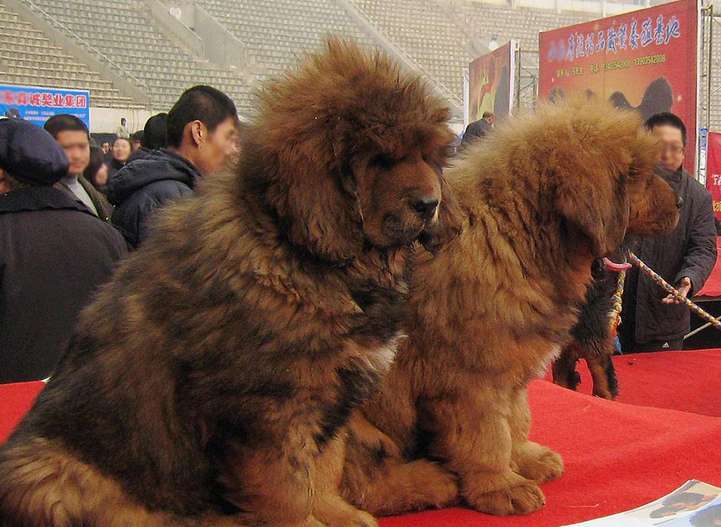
(122, 130)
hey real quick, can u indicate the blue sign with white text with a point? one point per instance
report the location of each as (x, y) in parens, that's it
(37, 105)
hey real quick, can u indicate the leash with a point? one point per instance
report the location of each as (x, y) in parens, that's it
(618, 301)
(716, 323)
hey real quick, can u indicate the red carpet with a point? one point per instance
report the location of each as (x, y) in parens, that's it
(688, 381)
(712, 287)
(618, 455)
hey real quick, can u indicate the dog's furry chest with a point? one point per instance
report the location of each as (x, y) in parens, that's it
(369, 350)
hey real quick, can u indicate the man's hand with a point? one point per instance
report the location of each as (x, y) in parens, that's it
(684, 286)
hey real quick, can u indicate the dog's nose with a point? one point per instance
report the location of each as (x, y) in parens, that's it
(679, 202)
(425, 207)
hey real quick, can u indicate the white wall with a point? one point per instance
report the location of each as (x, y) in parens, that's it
(106, 120)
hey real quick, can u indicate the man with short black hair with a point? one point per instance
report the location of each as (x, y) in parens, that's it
(651, 319)
(201, 132)
(155, 136)
(74, 138)
(53, 253)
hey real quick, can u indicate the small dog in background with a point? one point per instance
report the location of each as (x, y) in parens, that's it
(592, 336)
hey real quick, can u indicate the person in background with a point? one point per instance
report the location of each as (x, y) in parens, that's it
(135, 141)
(155, 136)
(97, 171)
(718, 226)
(651, 320)
(201, 131)
(122, 130)
(54, 253)
(479, 129)
(121, 153)
(105, 147)
(73, 136)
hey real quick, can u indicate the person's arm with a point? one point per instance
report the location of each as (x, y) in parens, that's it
(700, 255)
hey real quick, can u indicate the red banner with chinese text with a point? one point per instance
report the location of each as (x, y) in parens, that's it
(713, 171)
(645, 60)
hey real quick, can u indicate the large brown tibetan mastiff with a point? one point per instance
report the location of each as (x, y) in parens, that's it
(543, 197)
(209, 380)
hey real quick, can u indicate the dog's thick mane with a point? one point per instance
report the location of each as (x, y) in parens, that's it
(344, 108)
(527, 234)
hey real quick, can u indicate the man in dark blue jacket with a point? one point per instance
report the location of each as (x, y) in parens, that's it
(202, 129)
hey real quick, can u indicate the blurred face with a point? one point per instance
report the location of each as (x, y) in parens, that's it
(77, 147)
(101, 176)
(121, 150)
(214, 149)
(672, 141)
(105, 148)
(135, 145)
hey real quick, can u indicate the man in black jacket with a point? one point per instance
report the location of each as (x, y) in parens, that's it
(201, 127)
(54, 253)
(479, 129)
(651, 319)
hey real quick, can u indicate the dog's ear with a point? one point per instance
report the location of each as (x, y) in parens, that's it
(596, 206)
(450, 220)
(316, 211)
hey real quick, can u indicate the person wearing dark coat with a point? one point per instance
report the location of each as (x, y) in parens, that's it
(54, 253)
(478, 129)
(201, 130)
(74, 138)
(155, 137)
(146, 184)
(651, 320)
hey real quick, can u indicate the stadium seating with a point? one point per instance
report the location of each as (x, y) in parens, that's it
(27, 56)
(438, 37)
(277, 33)
(123, 31)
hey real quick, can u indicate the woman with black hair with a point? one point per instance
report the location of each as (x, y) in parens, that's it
(121, 152)
(97, 171)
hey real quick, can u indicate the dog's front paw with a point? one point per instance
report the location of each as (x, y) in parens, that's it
(333, 511)
(520, 497)
(538, 463)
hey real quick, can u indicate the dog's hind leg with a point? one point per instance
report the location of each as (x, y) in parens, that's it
(376, 478)
(43, 486)
(328, 506)
(605, 383)
(564, 367)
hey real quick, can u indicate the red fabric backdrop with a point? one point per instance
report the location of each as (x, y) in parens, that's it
(713, 171)
(664, 430)
(712, 287)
